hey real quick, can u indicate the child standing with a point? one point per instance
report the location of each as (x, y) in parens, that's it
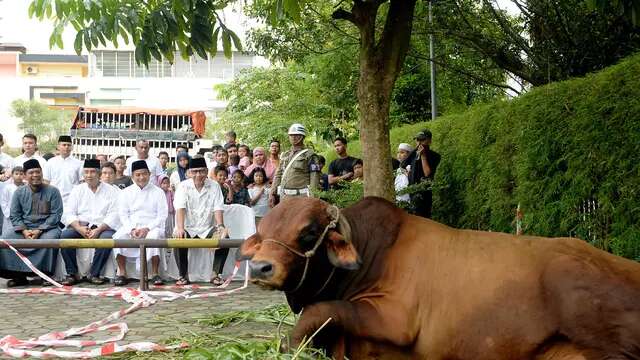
(17, 175)
(259, 193)
(238, 193)
(221, 174)
(165, 185)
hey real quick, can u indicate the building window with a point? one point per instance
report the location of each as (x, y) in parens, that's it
(123, 64)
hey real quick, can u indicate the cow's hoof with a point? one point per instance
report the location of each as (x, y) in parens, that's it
(288, 346)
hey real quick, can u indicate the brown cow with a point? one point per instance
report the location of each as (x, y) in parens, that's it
(400, 286)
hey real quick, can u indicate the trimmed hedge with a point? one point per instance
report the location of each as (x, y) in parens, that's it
(553, 150)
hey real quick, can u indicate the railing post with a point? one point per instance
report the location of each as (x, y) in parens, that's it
(143, 268)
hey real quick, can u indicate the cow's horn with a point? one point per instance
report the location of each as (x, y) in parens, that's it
(344, 228)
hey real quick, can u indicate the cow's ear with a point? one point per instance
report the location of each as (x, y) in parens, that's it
(341, 252)
(249, 247)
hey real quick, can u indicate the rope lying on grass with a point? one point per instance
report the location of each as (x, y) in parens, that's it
(12, 346)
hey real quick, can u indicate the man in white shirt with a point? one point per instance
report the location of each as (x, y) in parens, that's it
(198, 203)
(143, 210)
(6, 161)
(142, 153)
(29, 149)
(90, 213)
(63, 171)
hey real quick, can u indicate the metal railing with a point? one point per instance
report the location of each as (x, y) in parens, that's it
(142, 244)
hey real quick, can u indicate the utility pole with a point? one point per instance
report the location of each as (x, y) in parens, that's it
(432, 56)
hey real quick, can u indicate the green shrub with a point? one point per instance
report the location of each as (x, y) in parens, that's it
(553, 151)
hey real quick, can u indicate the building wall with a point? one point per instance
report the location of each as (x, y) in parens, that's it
(53, 70)
(8, 61)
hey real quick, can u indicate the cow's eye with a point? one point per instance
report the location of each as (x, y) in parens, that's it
(308, 236)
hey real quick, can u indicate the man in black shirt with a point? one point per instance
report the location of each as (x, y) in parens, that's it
(424, 163)
(342, 167)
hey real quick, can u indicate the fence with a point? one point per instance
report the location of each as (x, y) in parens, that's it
(124, 243)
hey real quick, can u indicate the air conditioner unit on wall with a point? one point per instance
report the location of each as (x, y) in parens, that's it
(32, 69)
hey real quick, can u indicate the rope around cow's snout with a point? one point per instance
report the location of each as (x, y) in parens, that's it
(334, 214)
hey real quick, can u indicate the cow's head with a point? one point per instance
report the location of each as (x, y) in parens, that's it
(290, 230)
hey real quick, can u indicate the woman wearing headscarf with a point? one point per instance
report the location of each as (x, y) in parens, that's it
(180, 174)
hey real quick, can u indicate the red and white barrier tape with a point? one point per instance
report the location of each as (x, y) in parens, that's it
(15, 347)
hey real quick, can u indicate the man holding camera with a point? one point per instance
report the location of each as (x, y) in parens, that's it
(424, 162)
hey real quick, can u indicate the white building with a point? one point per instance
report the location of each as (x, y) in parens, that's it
(105, 76)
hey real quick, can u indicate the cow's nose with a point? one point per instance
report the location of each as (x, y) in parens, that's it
(260, 269)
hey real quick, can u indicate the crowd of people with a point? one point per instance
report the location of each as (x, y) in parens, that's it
(142, 197)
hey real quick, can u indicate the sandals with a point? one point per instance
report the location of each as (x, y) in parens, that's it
(157, 280)
(217, 280)
(95, 280)
(17, 282)
(69, 280)
(120, 281)
(183, 281)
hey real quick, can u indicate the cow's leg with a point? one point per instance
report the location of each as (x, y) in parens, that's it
(363, 318)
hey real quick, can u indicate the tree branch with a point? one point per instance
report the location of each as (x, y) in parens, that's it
(342, 14)
(396, 36)
(465, 73)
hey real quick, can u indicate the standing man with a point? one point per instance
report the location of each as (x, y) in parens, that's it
(90, 212)
(29, 149)
(143, 210)
(424, 163)
(198, 203)
(6, 161)
(63, 171)
(299, 170)
(142, 153)
(341, 169)
(36, 210)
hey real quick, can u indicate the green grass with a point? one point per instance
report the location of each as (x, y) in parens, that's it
(236, 335)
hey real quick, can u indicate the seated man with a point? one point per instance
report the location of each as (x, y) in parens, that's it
(198, 204)
(91, 213)
(36, 209)
(143, 210)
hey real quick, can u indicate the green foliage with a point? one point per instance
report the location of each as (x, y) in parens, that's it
(263, 103)
(350, 193)
(223, 337)
(547, 42)
(45, 123)
(550, 150)
(156, 28)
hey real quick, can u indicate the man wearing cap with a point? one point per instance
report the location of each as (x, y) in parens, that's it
(423, 162)
(199, 214)
(90, 212)
(142, 208)
(63, 171)
(299, 170)
(36, 210)
(142, 153)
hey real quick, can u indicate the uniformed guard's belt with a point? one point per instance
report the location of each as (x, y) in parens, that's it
(294, 192)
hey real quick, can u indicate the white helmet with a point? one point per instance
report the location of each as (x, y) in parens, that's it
(297, 129)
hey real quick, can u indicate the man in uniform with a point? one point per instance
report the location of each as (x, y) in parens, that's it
(299, 170)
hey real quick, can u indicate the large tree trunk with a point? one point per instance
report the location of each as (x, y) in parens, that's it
(373, 99)
(380, 63)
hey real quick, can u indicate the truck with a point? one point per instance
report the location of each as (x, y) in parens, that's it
(113, 131)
